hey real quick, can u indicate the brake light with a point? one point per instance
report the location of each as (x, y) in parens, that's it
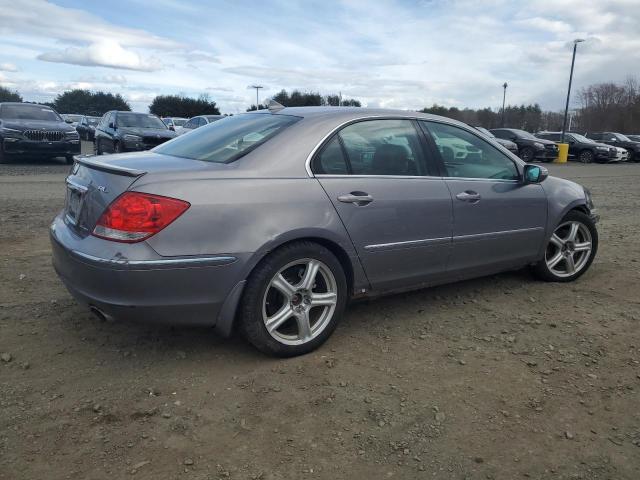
(135, 216)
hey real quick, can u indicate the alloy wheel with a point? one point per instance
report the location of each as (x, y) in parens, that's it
(569, 249)
(299, 301)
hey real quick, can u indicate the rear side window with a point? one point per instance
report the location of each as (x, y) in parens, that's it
(383, 147)
(331, 160)
(228, 139)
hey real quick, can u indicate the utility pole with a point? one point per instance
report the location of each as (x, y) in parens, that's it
(504, 97)
(257, 87)
(566, 107)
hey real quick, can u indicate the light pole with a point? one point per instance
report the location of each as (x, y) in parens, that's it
(566, 107)
(257, 87)
(504, 97)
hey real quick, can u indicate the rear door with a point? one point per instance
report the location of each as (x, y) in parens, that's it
(397, 212)
(498, 220)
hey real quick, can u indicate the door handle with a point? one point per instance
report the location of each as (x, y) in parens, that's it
(469, 196)
(359, 198)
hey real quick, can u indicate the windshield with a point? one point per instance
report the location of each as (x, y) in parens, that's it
(73, 118)
(140, 120)
(228, 139)
(178, 122)
(622, 138)
(486, 132)
(581, 138)
(523, 134)
(29, 112)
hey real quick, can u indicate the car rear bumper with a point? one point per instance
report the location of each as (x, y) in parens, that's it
(176, 290)
(13, 146)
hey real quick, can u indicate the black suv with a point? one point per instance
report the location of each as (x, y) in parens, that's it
(530, 148)
(618, 140)
(582, 148)
(87, 127)
(129, 131)
(508, 144)
(28, 129)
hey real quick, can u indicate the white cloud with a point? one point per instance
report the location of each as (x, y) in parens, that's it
(104, 53)
(8, 67)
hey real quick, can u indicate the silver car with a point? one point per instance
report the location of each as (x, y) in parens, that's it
(272, 221)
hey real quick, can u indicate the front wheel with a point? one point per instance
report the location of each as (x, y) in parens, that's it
(586, 156)
(527, 154)
(571, 249)
(293, 300)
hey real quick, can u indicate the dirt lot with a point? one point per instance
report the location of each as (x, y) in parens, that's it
(496, 378)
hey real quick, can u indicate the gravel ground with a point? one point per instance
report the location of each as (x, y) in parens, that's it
(496, 378)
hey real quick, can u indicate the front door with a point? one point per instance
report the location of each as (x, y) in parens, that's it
(398, 216)
(498, 220)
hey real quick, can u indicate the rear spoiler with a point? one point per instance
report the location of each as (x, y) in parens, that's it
(93, 161)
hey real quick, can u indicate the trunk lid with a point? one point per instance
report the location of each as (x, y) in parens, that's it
(96, 181)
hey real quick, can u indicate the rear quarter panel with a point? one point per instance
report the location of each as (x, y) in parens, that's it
(248, 218)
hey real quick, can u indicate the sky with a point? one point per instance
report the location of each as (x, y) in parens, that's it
(386, 53)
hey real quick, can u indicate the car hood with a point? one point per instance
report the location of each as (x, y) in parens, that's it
(147, 132)
(598, 144)
(542, 141)
(37, 125)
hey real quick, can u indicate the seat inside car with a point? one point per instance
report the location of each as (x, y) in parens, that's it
(392, 160)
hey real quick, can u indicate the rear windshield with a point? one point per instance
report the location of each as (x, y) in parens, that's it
(227, 139)
(178, 122)
(139, 120)
(28, 112)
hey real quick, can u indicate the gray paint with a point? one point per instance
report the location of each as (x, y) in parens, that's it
(414, 232)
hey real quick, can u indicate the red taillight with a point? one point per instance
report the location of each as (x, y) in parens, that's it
(135, 216)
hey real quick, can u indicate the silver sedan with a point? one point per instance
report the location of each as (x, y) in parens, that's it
(270, 222)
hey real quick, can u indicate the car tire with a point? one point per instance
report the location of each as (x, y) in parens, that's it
(586, 156)
(527, 154)
(69, 159)
(97, 149)
(282, 291)
(562, 260)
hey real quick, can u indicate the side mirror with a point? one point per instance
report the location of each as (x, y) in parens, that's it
(534, 173)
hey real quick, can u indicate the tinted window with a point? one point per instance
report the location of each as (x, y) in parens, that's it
(331, 159)
(468, 156)
(229, 139)
(29, 112)
(383, 147)
(139, 120)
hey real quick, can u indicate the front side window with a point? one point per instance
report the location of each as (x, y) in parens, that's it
(229, 139)
(383, 147)
(466, 155)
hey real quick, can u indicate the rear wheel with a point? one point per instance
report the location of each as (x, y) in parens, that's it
(586, 156)
(293, 300)
(571, 249)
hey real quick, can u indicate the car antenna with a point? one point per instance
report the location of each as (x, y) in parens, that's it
(274, 107)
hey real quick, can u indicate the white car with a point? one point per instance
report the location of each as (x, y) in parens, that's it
(175, 123)
(199, 121)
(622, 155)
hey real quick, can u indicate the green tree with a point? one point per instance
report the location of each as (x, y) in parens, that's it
(253, 108)
(89, 103)
(181, 106)
(7, 95)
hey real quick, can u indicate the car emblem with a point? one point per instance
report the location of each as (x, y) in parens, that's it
(102, 188)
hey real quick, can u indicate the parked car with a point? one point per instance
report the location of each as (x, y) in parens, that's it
(28, 129)
(129, 131)
(277, 218)
(508, 144)
(622, 154)
(175, 123)
(530, 148)
(86, 127)
(618, 140)
(71, 118)
(582, 148)
(199, 121)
